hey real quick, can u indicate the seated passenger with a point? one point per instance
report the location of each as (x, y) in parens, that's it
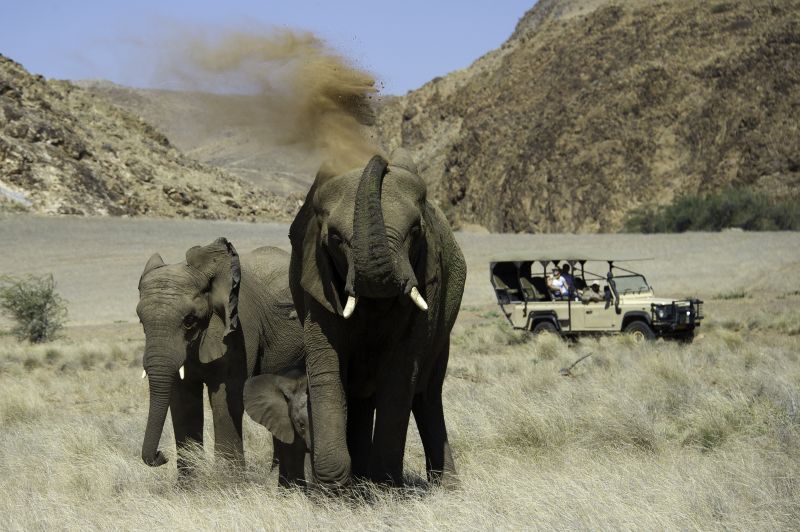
(557, 285)
(592, 295)
(570, 280)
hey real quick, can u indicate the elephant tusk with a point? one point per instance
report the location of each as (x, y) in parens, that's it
(349, 307)
(417, 299)
(180, 373)
(144, 374)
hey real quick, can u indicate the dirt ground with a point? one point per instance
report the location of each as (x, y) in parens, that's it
(97, 262)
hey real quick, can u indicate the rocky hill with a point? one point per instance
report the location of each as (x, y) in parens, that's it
(209, 128)
(64, 150)
(593, 108)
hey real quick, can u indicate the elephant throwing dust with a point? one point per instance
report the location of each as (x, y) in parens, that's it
(377, 278)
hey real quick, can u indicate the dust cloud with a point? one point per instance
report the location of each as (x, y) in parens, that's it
(288, 87)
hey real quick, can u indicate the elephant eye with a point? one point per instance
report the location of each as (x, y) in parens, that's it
(335, 237)
(189, 322)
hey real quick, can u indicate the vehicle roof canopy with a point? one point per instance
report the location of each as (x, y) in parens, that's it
(565, 257)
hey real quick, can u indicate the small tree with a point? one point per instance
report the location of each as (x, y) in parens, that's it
(33, 303)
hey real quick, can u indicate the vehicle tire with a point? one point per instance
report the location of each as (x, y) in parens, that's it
(640, 331)
(685, 337)
(544, 326)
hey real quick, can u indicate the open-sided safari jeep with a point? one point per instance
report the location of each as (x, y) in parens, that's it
(623, 300)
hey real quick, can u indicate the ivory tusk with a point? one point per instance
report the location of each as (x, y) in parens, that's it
(180, 373)
(349, 307)
(144, 374)
(417, 299)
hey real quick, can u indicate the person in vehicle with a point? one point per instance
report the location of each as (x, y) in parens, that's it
(568, 278)
(592, 295)
(557, 285)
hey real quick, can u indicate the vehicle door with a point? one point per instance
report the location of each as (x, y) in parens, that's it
(597, 316)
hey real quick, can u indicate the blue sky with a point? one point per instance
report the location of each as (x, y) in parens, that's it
(404, 44)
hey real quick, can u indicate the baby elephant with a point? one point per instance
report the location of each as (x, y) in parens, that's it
(280, 403)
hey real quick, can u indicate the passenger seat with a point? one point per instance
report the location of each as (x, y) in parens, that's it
(502, 288)
(529, 291)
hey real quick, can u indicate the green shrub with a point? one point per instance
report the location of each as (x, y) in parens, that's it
(745, 208)
(33, 303)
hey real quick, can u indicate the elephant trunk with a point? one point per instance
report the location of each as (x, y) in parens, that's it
(161, 381)
(330, 457)
(375, 269)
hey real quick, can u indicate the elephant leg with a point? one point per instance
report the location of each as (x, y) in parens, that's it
(227, 408)
(393, 410)
(360, 421)
(186, 409)
(429, 416)
(291, 461)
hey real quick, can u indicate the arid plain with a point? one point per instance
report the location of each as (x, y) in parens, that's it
(663, 435)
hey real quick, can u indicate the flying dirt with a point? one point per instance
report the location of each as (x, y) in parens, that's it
(295, 91)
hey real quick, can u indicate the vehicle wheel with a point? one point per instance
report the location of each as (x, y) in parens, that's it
(640, 331)
(544, 326)
(685, 337)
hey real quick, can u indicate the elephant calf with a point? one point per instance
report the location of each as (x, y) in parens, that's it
(216, 319)
(280, 403)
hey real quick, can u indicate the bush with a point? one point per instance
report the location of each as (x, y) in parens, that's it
(745, 208)
(33, 303)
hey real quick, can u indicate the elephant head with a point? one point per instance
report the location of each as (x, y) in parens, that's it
(280, 403)
(188, 311)
(367, 238)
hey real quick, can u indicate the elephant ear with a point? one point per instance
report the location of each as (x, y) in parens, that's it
(220, 264)
(305, 234)
(433, 245)
(155, 261)
(267, 401)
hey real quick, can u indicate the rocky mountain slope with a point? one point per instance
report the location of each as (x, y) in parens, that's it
(66, 151)
(208, 127)
(593, 108)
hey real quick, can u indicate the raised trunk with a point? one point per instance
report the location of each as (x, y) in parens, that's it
(375, 272)
(161, 383)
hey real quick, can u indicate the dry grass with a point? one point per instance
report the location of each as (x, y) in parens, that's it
(651, 437)
(704, 436)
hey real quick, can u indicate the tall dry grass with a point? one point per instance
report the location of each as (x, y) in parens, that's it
(655, 436)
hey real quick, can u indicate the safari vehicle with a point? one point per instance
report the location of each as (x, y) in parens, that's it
(626, 303)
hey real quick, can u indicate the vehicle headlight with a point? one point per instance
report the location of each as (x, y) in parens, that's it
(663, 312)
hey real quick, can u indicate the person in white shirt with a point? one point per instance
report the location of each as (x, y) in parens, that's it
(558, 285)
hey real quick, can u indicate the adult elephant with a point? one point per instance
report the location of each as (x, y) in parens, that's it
(216, 319)
(377, 278)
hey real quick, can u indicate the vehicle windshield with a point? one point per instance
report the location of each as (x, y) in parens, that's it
(631, 284)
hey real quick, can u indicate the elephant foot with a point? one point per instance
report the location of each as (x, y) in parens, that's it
(389, 480)
(156, 460)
